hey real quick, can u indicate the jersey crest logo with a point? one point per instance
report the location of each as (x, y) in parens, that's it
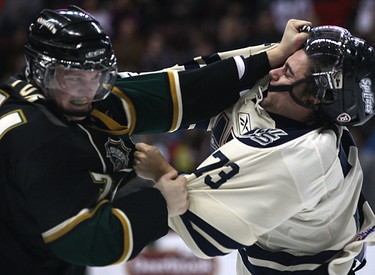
(118, 153)
(266, 136)
(244, 122)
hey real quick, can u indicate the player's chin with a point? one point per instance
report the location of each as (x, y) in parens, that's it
(77, 112)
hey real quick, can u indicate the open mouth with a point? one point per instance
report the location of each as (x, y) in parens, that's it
(79, 102)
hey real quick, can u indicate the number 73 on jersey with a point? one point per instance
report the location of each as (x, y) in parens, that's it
(227, 171)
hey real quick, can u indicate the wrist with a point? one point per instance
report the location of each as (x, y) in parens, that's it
(277, 56)
(165, 169)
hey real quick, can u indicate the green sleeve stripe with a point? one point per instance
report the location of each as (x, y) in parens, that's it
(176, 100)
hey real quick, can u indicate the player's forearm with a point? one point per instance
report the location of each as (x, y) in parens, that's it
(154, 173)
(257, 66)
(164, 169)
(217, 86)
(145, 209)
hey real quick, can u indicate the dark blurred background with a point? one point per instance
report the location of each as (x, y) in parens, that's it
(150, 35)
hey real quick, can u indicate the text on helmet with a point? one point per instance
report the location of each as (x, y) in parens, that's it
(367, 96)
(50, 26)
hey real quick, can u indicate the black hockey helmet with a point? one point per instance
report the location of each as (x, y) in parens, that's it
(344, 75)
(72, 39)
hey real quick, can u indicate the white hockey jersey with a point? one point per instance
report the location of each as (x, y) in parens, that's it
(286, 196)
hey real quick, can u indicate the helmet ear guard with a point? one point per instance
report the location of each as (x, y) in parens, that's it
(343, 75)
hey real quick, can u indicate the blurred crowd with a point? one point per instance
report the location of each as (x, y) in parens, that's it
(153, 34)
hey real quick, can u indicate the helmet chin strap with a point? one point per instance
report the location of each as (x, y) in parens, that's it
(289, 89)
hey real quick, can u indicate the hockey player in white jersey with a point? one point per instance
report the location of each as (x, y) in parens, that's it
(283, 185)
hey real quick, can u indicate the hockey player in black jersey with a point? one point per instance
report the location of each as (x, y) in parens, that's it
(65, 149)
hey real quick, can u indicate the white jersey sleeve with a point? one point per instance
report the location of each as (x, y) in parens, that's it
(201, 61)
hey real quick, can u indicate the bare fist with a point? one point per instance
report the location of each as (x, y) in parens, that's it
(149, 163)
(173, 188)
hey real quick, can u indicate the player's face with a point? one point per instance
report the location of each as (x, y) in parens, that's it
(74, 90)
(296, 68)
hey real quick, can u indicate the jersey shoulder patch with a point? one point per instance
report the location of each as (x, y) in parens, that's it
(266, 138)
